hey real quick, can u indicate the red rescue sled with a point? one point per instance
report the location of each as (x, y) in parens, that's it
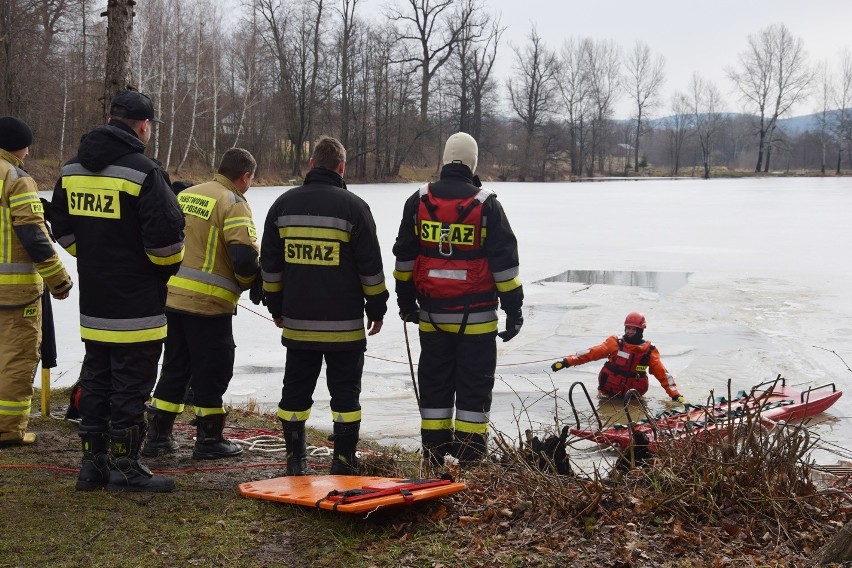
(769, 402)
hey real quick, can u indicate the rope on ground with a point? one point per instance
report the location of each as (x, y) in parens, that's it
(402, 362)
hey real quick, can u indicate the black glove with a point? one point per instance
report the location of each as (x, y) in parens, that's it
(514, 322)
(256, 294)
(410, 314)
(559, 365)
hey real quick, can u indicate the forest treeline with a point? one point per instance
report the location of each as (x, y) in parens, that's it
(273, 75)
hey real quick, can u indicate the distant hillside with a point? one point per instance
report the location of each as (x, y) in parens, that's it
(793, 126)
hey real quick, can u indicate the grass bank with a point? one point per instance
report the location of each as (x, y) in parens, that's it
(752, 502)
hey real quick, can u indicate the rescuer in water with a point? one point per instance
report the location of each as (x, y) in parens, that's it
(629, 359)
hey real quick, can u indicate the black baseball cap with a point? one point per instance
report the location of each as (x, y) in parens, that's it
(133, 105)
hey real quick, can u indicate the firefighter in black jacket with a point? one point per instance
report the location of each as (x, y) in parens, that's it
(322, 269)
(455, 256)
(114, 210)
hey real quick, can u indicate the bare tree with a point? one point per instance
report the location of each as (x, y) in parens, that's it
(706, 109)
(679, 123)
(842, 102)
(602, 62)
(348, 22)
(196, 80)
(825, 96)
(773, 75)
(533, 94)
(433, 27)
(482, 87)
(645, 77)
(296, 48)
(574, 88)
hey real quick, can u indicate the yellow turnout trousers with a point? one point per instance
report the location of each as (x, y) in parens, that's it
(20, 339)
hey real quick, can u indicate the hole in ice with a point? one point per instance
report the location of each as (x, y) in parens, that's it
(661, 282)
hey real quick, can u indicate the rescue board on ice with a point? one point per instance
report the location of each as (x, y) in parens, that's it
(349, 493)
(770, 402)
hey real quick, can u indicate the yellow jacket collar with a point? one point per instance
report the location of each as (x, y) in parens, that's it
(11, 158)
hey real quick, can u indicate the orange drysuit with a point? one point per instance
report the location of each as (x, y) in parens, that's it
(627, 367)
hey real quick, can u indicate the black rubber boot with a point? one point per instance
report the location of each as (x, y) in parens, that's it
(94, 472)
(158, 438)
(125, 472)
(469, 448)
(294, 440)
(436, 445)
(345, 439)
(210, 444)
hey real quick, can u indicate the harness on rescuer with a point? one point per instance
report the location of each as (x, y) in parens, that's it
(452, 272)
(625, 371)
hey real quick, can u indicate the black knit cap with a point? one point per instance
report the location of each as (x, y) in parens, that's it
(14, 134)
(133, 105)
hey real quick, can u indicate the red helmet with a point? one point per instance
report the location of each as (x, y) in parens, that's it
(635, 319)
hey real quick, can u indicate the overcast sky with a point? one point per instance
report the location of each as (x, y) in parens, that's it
(703, 37)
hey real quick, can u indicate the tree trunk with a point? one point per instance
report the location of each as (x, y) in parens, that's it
(636, 145)
(119, 14)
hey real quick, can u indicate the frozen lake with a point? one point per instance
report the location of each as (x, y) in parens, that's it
(739, 279)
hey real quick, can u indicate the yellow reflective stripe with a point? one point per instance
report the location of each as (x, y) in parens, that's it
(323, 336)
(234, 222)
(101, 182)
(202, 411)
(167, 406)
(23, 199)
(313, 233)
(244, 280)
(482, 233)
(471, 427)
(294, 415)
(354, 416)
(509, 285)
(5, 234)
(432, 424)
(15, 407)
(204, 288)
(72, 249)
(50, 270)
(402, 276)
(133, 336)
(29, 278)
(161, 260)
(374, 290)
(272, 286)
(210, 249)
(470, 329)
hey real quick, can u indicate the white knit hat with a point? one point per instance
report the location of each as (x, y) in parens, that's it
(461, 148)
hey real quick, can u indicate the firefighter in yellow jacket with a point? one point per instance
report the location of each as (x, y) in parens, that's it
(27, 262)
(629, 359)
(220, 261)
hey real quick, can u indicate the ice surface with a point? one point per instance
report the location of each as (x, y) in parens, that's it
(767, 292)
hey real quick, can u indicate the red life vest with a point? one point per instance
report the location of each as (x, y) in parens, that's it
(451, 272)
(624, 371)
